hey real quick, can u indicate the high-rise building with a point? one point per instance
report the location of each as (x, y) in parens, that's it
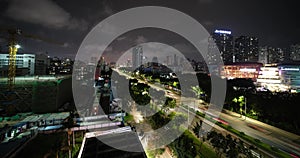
(42, 62)
(269, 55)
(295, 52)
(221, 40)
(137, 56)
(168, 61)
(175, 60)
(246, 49)
(23, 61)
(55, 66)
(263, 55)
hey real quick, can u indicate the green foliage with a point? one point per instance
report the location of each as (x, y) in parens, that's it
(267, 107)
(187, 145)
(155, 153)
(172, 115)
(128, 118)
(200, 114)
(158, 120)
(198, 91)
(170, 102)
(139, 92)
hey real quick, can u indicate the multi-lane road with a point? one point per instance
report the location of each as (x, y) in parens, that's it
(283, 140)
(273, 136)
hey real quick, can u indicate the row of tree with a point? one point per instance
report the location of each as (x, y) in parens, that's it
(223, 144)
(277, 109)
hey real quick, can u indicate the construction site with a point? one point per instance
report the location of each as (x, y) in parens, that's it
(35, 94)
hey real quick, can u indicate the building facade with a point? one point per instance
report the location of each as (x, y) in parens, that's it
(290, 76)
(295, 52)
(23, 61)
(220, 41)
(241, 70)
(42, 63)
(269, 55)
(246, 49)
(279, 78)
(269, 79)
(137, 56)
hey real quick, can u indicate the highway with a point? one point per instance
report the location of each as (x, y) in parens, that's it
(273, 136)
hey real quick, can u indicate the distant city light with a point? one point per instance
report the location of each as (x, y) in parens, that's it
(248, 70)
(223, 32)
(290, 69)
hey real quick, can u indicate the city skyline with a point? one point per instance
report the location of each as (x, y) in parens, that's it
(149, 78)
(68, 22)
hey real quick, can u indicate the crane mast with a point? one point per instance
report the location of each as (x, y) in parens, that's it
(12, 64)
(12, 48)
(11, 96)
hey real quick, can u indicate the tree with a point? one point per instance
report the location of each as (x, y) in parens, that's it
(198, 91)
(241, 101)
(170, 102)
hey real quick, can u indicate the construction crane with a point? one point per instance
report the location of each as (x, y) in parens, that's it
(13, 35)
(13, 46)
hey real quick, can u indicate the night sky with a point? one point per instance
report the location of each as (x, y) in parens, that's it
(275, 23)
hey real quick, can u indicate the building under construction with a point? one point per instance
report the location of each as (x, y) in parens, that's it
(36, 94)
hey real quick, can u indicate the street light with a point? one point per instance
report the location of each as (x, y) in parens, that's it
(17, 46)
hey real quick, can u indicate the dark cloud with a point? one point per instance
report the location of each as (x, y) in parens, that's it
(205, 1)
(140, 39)
(274, 23)
(43, 12)
(107, 10)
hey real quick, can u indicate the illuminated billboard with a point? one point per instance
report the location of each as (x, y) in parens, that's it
(223, 32)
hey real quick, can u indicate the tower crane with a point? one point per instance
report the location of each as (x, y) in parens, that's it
(13, 46)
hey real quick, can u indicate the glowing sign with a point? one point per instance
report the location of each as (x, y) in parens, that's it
(290, 69)
(223, 32)
(248, 70)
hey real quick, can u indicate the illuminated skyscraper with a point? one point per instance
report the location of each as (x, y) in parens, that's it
(268, 55)
(246, 49)
(137, 56)
(221, 40)
(295, 52)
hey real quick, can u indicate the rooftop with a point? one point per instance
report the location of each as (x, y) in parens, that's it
(121, 143)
